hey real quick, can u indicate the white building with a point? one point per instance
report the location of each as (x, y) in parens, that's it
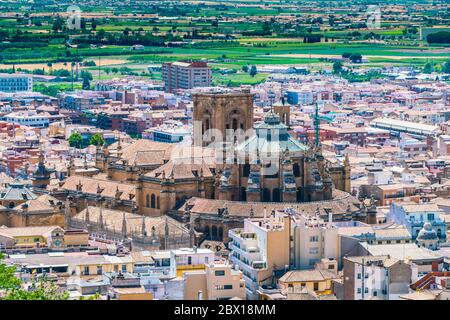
(170, 132)
(15, 82)
(377, 277)
(314, 240)
(29, 118)
(187, 259)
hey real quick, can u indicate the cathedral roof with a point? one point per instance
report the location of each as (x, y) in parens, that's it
(42, 203)
(145, 152)
(112, 220)
(179, 169)
(271, 137)
(338, 205)
(108, 187)
(17, 191)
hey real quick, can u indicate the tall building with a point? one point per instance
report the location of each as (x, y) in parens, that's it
(376, 277)
(15, 83)
(186, 75)
(260, 249)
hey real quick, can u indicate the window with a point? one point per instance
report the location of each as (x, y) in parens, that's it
(99, 270)
(316, 286)
(359, 290)
(366, 290)
(430, 216)
(116, 268)
(366, 276)
(219, 273)
(314, 250)
(359, 275)
(36, 240)
(153, 201)
(228, 287)
(124, 268)
(189, 260)
(314, 239)
(375, 293)
(147, 201)
(86, 270)
(206, 260)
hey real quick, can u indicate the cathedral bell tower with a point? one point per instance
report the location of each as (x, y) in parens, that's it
(221, 110)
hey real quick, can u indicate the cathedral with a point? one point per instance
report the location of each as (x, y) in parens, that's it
(262, 167)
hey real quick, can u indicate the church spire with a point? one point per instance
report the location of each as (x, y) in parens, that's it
(100, 216)
(86, 217)
(143, 228)
(124, 225)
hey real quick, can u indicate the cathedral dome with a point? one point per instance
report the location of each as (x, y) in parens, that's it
(427, 233)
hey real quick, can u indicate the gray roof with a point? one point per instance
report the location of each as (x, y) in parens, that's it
(271, 137)
(17, 191)
(402, 251)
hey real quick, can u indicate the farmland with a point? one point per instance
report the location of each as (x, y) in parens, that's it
(228, 35)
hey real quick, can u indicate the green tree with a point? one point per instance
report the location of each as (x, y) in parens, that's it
(86, 76)
(11, 287)
(253, 71)
(97, 140)
(245, 68)
(75, 140)
(428, 68)
(8, 280)
(355, 57)
(337, 67)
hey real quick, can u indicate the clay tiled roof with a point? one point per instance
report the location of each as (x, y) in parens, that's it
(338, 205)
(89, 185)
(181, 170)
(27, 231)
(112, 220)
(145, 152)
(42, 203)
(307, 275)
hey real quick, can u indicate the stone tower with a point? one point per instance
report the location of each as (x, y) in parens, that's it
(41, 177)
(221, 110)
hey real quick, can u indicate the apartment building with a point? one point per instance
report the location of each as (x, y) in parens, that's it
(376, 277)
(186, 75)
(29, 118)
(219, 281)
(15, 83)
(314, 239)
(261, 248)
(188, 259)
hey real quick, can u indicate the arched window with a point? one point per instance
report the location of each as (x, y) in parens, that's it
(296, 169)
(147, 201)
(157, 202)
(153, 200)
(214, 233)
(235, 124)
